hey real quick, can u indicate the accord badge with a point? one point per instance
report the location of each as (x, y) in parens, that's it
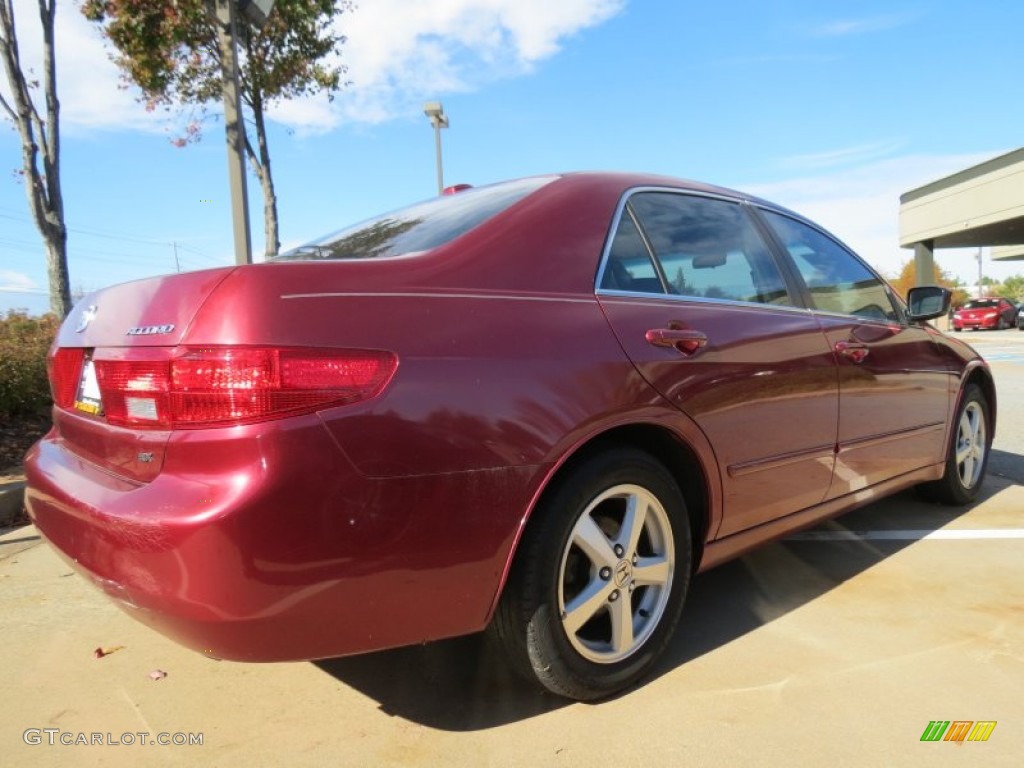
(150, 330)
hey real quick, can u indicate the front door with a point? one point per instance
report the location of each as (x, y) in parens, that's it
(895, 388)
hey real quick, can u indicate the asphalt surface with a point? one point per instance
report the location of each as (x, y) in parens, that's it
(836, 647)
(1005, 352)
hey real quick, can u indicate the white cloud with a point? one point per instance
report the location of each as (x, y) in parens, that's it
(16, 282)
(88, 84)
(398, 53)
(844, 156)
(845, 27)
(860, 205)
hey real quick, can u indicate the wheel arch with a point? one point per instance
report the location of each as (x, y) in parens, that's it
(981, 376)
(666, 446)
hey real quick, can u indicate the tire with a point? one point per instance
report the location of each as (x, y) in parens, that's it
(574, 616)
(957, 330)
(967, 456)
(1001, 324)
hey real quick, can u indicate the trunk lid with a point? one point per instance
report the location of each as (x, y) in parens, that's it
(155, 312)
(152, 312)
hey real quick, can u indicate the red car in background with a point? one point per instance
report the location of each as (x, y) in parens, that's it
(538, 407)
(995, 314)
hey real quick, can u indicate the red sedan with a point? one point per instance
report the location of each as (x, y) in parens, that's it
(995, 314)
(539, 406)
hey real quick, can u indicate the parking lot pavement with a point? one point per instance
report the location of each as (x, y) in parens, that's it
(839, 646)
(1004, 351)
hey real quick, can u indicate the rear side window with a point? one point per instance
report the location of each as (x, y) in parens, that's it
(704, 248)
(419, 227)
(630, 267)
(837, 280)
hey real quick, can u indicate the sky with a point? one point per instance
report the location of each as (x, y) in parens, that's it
(832, 109)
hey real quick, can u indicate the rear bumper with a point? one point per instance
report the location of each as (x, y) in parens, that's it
(263, 544)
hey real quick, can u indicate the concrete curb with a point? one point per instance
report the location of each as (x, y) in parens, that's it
(14, 541)
(12, 500)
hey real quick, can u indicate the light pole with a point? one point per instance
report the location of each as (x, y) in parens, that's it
(225, 14)
(439, 120)
(981, 277)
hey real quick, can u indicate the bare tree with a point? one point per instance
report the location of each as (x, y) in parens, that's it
(40, 144)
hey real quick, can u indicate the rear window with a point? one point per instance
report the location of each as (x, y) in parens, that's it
(419, 227)
(982, 304)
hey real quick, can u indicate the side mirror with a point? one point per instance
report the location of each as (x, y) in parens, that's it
(927, 302)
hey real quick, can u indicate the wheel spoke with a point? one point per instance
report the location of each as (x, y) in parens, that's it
(966, 429)
(967, 470)
(973, 423)
(622, 624)
(651, 571)
(632, 523)
(589, 537)
(978, 429)
(970, 450)
(588, 602)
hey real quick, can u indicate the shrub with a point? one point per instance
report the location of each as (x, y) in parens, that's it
(24, 341)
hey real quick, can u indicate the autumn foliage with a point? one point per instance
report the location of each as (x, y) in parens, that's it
(907, 279)
(171, 51)
(24, 341)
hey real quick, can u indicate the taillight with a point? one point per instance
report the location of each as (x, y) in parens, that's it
(64, 369)
(191, 387)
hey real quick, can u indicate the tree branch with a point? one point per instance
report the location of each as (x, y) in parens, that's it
(51, 137)
(42, 187)
(24, 111)
(7, 108)
(253, 157)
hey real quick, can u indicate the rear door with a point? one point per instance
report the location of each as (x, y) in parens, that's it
(702, 309)
(895, 384)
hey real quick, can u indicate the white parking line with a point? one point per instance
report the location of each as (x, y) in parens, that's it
(910, 535)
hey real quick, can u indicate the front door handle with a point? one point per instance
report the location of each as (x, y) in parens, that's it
(852, 350)
(686, 342)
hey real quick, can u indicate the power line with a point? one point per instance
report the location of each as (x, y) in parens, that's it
(121, 237)
(26, 292)
(93, 233)
(78, 253)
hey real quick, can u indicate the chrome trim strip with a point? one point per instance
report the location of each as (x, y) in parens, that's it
(759, 465)
(427, 295)
(868, 442)
(609, 294)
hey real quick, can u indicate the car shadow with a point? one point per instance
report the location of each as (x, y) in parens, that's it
(464, 684)
(1006, 464)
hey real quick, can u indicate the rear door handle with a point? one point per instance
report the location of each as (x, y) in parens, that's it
(685, 342)
(852, 350)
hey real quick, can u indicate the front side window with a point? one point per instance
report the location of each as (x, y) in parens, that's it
(836, 279)
(704, 247)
